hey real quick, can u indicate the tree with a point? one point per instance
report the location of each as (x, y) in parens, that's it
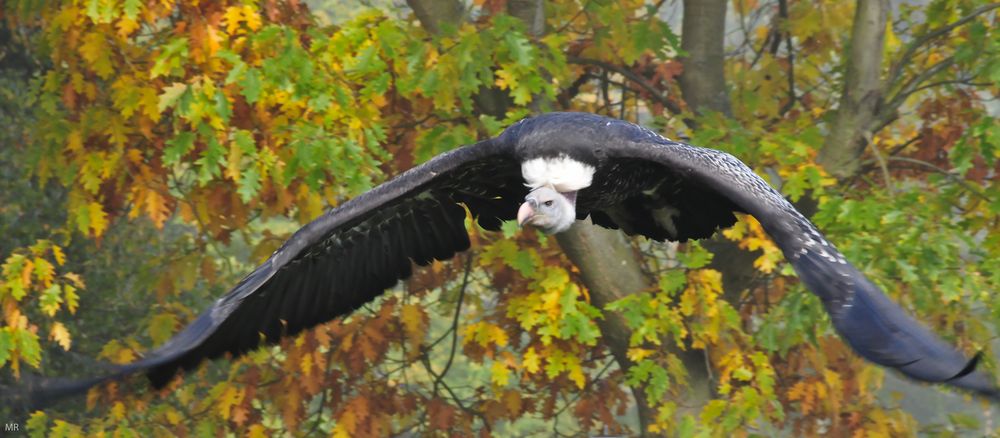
(215, 122)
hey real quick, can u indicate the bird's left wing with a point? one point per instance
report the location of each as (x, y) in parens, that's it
(877, 328)
(336, 263)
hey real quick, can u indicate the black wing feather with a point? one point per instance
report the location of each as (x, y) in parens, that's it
(874, 326)
(644, 184)
(334, 264)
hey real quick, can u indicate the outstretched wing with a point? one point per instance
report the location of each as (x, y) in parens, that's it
(339, 261)
(689, 192)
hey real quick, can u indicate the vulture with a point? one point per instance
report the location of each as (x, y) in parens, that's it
(546, 172)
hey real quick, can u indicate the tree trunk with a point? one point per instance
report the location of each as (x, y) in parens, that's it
(611, 270)
(702, 37)
(703, 86)
(583, 239)
(435, 13)
(852, 124)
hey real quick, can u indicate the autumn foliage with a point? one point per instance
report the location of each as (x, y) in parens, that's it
(177, 143)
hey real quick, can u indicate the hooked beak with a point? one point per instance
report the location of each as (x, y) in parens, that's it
(525, 213)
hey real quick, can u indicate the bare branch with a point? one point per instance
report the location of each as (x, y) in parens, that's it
(948, 174)
(632, 76)
(887, 112)
(882, 163)
(454, 321)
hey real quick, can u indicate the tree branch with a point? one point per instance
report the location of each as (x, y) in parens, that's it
(454, 321)
(897, 68)
(948, 174)
(631, 76)
(888, 112)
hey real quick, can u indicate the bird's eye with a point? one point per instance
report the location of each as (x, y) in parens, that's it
(548, 203)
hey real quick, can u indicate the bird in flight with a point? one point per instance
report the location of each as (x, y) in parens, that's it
(546, 172)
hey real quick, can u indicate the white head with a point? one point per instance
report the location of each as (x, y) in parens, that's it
(548, 210)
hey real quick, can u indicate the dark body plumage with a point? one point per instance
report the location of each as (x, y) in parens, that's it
(642, 184)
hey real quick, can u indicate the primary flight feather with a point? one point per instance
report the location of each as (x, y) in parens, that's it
(545, 171)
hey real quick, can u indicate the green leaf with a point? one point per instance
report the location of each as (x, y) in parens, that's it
(249, 184)
(251, 86)
(170, 95)
(37, 423)
(132, 8)
(171, 59)
(673, 281)
(6, 344)
(177, 147)
(28, 347)
(161, 327)
(50, 299)
(695, 257)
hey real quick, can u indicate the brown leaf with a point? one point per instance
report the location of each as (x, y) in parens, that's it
(440, 413)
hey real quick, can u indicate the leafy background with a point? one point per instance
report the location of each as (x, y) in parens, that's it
(155, 151)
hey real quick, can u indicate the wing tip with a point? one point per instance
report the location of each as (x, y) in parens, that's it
(36, 393)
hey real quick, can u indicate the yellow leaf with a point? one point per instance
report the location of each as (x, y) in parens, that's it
(235, 15)
(26, 273)
(413, 319)
(233, 160)
(232, 396)
(485, 333)
(156, 208)
(59, 334)
(346, 424)
(98, 218)
(174, 418)
(892, 42)
(126, 26)
(499, 374)
(530, 361)
(576, 375)
(306, 365)
(77, 281)
(95, 50)
(59, 255)
(44, 271)
(74, 141)
(257, 431)
(72, 299)
(118, 411)
(637, 354)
